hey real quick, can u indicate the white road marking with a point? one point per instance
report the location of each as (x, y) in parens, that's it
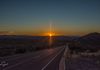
(66, 49)
(51, 60)
(62, 65)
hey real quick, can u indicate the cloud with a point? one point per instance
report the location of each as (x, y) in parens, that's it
(6, 32)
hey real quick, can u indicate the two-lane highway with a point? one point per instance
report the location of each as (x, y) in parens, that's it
(42, 60)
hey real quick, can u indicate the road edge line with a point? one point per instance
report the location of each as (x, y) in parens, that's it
(52, 60)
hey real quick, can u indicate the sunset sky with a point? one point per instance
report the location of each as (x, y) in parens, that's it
(33, 17)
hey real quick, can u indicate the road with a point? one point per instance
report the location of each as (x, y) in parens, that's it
(42, 60)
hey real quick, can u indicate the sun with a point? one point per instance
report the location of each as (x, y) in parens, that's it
(50, 34)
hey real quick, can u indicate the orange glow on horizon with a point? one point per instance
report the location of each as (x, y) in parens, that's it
(49, 34)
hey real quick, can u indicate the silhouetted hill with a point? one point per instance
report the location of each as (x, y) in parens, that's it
(90, 42)
(94, 35)
(92, 38)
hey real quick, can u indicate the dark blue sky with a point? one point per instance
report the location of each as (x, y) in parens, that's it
(70, 17)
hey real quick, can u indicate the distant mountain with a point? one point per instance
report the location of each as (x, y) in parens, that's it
(23, 39)
(19, 40)
(90, 40)
(94, 35)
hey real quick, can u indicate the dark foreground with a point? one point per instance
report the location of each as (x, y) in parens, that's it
(42, 60)
(83, 63)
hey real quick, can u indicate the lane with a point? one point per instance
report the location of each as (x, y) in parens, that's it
(54, 63)
(23, 58)
(37, 61)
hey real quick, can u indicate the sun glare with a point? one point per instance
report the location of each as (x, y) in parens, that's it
(50, 34)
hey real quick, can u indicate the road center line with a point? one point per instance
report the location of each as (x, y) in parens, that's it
(51, 60)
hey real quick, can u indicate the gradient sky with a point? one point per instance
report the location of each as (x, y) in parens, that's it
(33, 17)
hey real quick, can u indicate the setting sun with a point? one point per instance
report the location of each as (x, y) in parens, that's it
(50, 34)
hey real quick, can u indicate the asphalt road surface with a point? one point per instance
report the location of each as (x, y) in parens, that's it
(42, 60)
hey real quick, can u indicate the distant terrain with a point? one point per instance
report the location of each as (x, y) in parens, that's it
(89, 42)
(17, 44)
